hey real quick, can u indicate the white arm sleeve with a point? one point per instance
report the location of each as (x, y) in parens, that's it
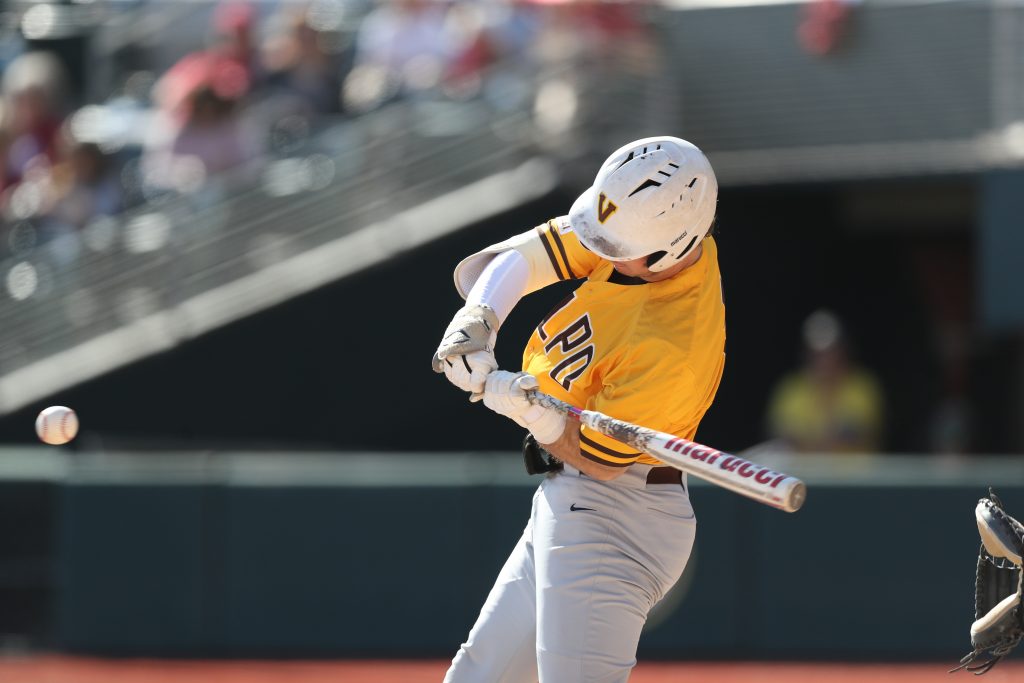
(529, 245)
(502, 283)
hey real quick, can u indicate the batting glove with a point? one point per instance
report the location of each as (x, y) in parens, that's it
(505, 394)
(466, 353)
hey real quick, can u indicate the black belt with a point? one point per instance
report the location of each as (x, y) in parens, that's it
(664, 475)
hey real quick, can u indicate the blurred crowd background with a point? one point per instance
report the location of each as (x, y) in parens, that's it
(227, 231)
(110, 105)
(154, 152)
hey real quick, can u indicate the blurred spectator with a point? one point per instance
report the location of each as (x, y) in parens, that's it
(512, 29)
(299, 68)
(473, 50)
(950, 426)
(587, 30)
(83, 185)
(824, 24)
(399, 33)
(201, 129)
(31, 114)
(403, 46)
(829, 405)
(213, 139)
(228, 67)
(213, 133)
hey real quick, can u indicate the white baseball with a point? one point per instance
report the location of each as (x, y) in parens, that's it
(57, 425)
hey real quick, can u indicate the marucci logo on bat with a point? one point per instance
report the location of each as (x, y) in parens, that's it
(741, 476)
(728, 463)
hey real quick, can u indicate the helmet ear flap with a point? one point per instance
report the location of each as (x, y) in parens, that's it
(655, 257)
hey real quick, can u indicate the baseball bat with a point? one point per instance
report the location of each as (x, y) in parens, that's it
(777, 489)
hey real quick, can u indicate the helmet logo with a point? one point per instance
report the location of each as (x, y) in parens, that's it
(605, 208)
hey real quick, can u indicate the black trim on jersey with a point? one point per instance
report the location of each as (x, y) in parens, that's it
(617, 278)
(604, 449)
(602, 461)
(561, 250)
(551, 314)
(586, 352)
(551, 256)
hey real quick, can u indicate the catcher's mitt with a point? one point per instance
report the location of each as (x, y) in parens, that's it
(998, 617)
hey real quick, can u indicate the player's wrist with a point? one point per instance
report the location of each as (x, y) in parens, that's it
(466, 352)
(546, 424)
(480, 312)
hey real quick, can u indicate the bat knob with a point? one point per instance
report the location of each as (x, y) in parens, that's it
(797, 496)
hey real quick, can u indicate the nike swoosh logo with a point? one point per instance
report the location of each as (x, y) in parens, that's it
(577, 509)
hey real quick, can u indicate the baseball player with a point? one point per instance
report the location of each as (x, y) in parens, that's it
(641, 339)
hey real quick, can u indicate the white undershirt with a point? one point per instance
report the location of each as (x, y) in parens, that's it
(502, 284)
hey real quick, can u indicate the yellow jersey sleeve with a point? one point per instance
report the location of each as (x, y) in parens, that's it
(551, 249)
(569, 259)
(652, 386)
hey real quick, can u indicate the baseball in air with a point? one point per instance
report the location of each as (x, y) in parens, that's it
(57, 425)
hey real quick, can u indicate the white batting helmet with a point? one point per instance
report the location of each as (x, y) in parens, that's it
(654, 196)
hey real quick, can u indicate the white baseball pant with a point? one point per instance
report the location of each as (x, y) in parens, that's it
(572, 598)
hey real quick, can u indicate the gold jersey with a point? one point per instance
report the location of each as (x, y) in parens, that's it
(651, 354)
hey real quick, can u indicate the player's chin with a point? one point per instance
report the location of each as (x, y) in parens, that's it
(641, 273)
(631, 268)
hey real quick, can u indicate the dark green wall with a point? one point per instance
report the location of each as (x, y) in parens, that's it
(321, 571)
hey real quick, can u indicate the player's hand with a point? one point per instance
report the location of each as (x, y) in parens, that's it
(466, 353)
(505, 394)
(469, 372)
